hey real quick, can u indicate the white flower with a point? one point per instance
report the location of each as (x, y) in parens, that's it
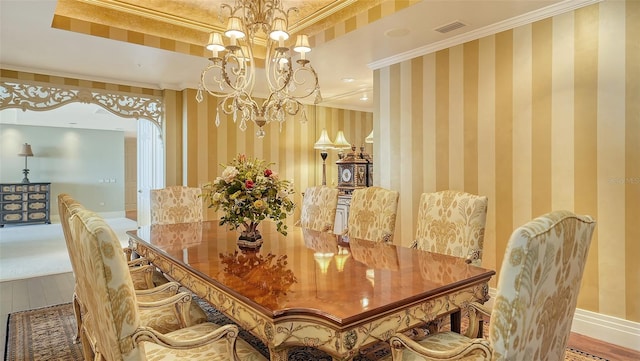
(229, 173)
(218, 180)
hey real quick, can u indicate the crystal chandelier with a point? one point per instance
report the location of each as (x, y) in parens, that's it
(230, 74)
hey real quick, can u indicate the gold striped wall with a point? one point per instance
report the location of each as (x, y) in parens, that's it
(539, 118)
(196, 147)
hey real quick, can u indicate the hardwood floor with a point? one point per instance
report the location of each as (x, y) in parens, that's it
(20, 295)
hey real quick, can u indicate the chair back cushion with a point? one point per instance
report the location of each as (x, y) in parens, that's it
(319, 208)
(538, 287)
(372, 214)
(67, 207)
(452, 223)
(176, 204)
(112, 312)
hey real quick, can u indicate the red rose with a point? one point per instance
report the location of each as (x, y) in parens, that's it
(268, 172)
(248, 183)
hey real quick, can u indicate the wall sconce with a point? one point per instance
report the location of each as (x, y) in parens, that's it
(26, 152)
(341, 143)
(324, 143)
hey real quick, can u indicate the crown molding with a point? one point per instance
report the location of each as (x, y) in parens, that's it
(528, 18)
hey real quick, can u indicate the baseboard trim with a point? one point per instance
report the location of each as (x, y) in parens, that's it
(609, 329)
(613, 330)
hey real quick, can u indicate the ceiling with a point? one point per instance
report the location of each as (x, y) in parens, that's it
(29, 42)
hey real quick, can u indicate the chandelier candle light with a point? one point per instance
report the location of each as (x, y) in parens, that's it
(230, 75)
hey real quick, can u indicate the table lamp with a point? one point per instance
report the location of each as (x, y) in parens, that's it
(323, 144)
(341, 143)
(26, 152)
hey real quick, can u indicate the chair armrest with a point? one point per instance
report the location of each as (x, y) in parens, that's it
(169, 287)
(228, 332)
(127, 252)
(476, 313)
(138, 262)
(153, 294)
(399, 342)
(181, 301)
(145, 272)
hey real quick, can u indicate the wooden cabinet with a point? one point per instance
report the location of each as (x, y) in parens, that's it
(24, 203)
(342, 213)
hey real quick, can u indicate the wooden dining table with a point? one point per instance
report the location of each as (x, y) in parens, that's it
(312, 288)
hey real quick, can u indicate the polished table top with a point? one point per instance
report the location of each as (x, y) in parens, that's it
(311, 273)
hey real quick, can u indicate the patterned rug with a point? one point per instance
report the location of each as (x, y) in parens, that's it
(46, 334)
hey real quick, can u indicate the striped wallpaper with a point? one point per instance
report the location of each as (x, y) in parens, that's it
(196, 147)
(538, 118)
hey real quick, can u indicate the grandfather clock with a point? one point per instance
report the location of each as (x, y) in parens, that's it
(355, 170)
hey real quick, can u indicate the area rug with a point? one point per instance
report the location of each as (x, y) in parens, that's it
(47, 333)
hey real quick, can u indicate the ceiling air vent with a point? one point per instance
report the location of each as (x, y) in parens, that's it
(450, 27)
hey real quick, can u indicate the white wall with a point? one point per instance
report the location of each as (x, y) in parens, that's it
(73, 160)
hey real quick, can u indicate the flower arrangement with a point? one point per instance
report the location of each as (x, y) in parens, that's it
(248, 192)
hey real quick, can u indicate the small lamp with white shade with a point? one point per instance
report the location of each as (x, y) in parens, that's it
(26, 152)
(323, 144)
(341, 143)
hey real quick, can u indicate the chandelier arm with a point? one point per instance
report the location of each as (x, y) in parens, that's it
(296, 80)
(273, 80)
(234, 72)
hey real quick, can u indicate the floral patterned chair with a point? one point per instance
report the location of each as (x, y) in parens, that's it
(372, 214)
(113, 328)
(536, 298)
(162, 307)
(452, 222)
(319, 208)
(176, 204)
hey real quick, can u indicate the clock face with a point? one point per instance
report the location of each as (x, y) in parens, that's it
(346, 175)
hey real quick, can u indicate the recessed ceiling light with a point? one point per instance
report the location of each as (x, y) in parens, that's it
(364, 97)
(396, 33)
(348, 80)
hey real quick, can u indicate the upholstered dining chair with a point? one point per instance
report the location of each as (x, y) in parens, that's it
(142, 272)
(372, 214)
(319, 208)
(452, 223)
(176, 204)
(536, 297)
(114, 330)
(162, 307)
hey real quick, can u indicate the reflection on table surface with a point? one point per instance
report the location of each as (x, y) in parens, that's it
(311, 271)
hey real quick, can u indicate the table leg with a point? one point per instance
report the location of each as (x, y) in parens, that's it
(456, 319)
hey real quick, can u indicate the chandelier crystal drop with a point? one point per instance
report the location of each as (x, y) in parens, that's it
(230, 74)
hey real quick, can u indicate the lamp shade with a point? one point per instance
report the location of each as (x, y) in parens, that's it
(279, 30)
(234, 28)
(369, 138)
(26, 151)
(323, 142)
(215, 42)
(341, 142)
(302, 44)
